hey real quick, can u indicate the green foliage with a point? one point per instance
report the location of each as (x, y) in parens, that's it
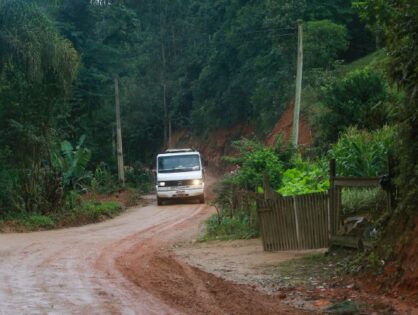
(103, 181)
(370, 262)
(29, 41)
(358, 99)
(364, 201)
(201, 65)
(245, 76)
(37, 67)
(10, 200)
(95, 209)
(83, 213)
(231, 221)
(229, 228)
(140, 178)
(224, 192)
(72, 163)
(396, 23)
(376, 60)
(37, 222)
(89, 212)
(324, 42)
(304, 178)
(72, 200)
(256, 161)
(26, 222)
(361, 153)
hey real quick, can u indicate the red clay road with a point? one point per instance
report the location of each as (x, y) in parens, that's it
(121, 266)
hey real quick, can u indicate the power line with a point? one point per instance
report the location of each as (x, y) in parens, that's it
(93, 93)
(207, 36)
(268, 30)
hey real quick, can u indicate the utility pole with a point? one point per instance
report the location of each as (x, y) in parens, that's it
(170, 144)
(295, 131)
(121, 171)
(166, 119)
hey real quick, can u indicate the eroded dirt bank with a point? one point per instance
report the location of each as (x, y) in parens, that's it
(152, 265)
(122, 266)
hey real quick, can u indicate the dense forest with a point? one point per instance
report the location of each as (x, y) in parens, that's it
(180, 64)
(198, 65)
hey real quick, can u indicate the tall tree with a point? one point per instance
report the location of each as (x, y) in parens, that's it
(106, 34)
(399, 22)
(37, 67)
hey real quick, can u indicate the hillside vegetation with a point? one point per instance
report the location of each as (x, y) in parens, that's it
(180, 64)
(202, 66)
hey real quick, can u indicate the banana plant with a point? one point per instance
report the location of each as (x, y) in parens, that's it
(73, 162)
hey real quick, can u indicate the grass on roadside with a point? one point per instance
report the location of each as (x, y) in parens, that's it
(229, 228)
(87, 212)
(90, 212)
(358, 201)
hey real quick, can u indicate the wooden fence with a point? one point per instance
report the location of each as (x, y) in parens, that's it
(305, 221)
(298, 222)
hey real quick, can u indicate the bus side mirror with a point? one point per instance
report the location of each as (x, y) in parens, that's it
(205, 163)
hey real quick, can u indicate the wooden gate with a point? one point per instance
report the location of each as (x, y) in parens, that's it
(298, 222)
(309, 221)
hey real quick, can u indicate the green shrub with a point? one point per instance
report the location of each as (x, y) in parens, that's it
(324, 41)
(231, 222)
(304, 178)
(96, 209)
(87, 212)
(72, 162)
(140, 178)
(103, 181)
(363, 200)
(72, 200)
(357, 100)
(27, 222)
(254, 161)
(237, 227)
(90, 212)
(223, 192)
(362, 153)
(37, 222)
(10, 199)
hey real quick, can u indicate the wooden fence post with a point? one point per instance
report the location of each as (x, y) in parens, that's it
(295, 208)
(266, 186)
(331, 198)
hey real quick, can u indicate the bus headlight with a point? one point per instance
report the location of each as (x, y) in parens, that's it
(197, 182)
(161, 184)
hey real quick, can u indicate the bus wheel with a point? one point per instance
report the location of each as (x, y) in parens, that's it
(202, 199)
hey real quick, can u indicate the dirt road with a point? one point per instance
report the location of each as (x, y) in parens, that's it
(122, 266)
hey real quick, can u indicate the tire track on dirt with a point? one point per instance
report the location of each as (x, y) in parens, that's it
(54, 272)
(121, 266)
(154, 268)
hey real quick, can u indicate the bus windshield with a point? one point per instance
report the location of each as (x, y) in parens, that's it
(178, 163)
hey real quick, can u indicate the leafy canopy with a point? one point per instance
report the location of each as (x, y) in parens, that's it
(254, 162)
(304, 177)
(356, 100)
(362, 153)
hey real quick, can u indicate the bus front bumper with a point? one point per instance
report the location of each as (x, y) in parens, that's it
(179, 193)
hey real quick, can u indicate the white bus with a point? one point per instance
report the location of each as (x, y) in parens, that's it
(180, 174)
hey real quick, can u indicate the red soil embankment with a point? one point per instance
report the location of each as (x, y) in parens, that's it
(218, 143)
(284, 126)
